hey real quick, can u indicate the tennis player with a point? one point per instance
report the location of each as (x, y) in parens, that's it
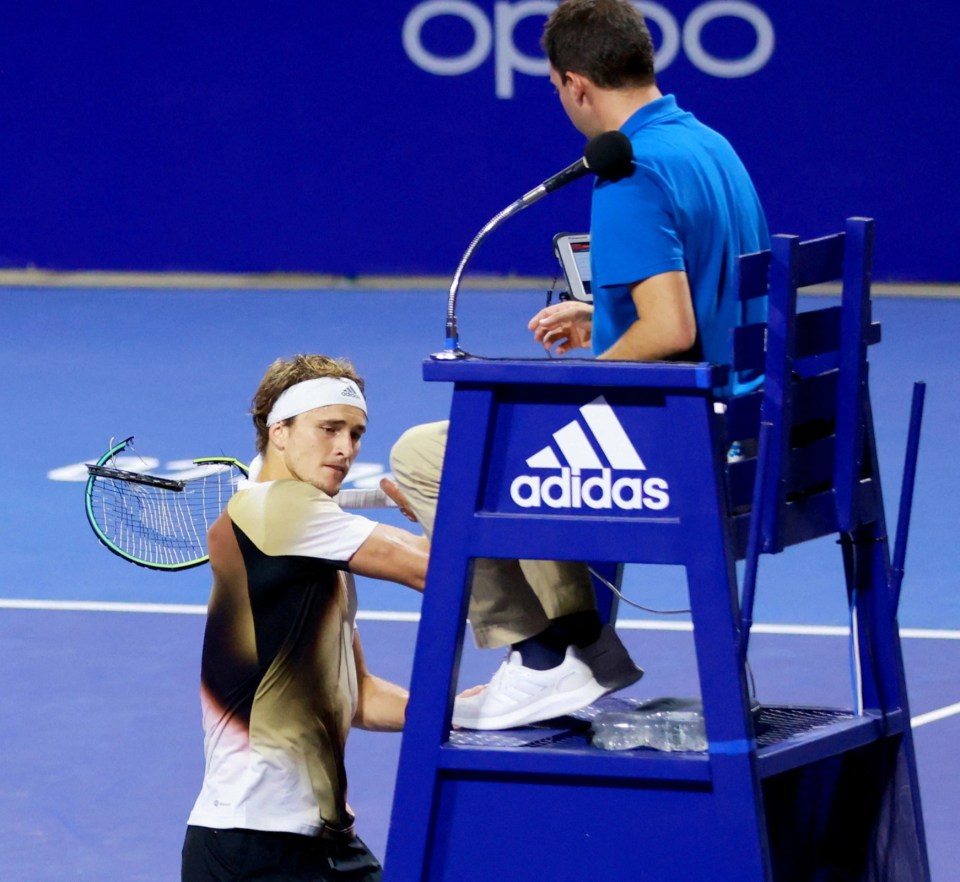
(283, 677)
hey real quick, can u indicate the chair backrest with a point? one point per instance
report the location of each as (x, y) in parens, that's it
(813, 405)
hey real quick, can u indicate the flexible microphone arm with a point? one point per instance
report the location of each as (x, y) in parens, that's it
(609, 156)
(452, 348)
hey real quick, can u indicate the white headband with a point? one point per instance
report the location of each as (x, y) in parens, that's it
(310, 394)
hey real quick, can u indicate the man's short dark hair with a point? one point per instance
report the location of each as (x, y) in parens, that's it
(606, 41)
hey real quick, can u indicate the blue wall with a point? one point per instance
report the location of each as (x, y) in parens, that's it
(378, 137)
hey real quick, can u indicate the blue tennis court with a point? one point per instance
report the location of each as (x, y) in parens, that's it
(100, 742)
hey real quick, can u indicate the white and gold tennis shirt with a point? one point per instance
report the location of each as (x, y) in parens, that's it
(278, 676)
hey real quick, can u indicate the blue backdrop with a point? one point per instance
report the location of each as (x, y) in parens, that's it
(319, 136)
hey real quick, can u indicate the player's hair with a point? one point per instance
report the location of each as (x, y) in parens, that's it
(606, 41)
(287, 372)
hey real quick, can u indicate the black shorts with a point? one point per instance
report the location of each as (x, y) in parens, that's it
(232, 855)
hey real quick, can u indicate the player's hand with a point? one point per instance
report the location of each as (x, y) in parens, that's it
(563, 326)
(396, 494)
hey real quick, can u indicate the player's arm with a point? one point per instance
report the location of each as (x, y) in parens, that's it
(665, 325)
(382, 705)
(393, 554)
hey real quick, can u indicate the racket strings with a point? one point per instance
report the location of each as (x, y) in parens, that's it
(158, 526)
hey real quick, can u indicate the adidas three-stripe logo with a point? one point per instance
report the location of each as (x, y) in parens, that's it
(571, 489)
(608, 433)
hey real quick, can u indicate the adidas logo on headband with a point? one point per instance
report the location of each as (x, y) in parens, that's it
(310, 394)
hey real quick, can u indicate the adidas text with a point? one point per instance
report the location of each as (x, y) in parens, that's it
(571, 490)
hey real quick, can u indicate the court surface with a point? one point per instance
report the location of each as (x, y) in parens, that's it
(100, 742)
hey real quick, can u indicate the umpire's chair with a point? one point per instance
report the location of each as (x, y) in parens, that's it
(786, 793)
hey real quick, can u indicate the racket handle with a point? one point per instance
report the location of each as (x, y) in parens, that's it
(372, 498)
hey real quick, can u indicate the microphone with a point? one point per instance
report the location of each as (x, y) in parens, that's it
(608, 155)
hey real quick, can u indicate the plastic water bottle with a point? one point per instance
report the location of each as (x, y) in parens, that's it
(663, 724)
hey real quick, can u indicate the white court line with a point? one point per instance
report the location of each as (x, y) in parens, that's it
(188, 609)
(951, 710)
(800, 630)
(105, 606)
(385, 616)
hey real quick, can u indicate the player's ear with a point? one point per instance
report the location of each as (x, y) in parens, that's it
(277, 434)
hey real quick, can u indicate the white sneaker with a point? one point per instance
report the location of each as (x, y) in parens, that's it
(519, 696)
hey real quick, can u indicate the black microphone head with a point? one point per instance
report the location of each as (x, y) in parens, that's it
(609, 156)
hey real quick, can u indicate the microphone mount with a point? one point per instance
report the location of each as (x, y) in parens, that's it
(609, 156)
(452, 348)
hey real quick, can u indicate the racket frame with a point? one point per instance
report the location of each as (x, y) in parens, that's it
(100, 469)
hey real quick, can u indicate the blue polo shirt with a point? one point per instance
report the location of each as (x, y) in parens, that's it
(689, 205)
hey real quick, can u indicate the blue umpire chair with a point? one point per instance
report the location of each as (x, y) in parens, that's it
(781, 793)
